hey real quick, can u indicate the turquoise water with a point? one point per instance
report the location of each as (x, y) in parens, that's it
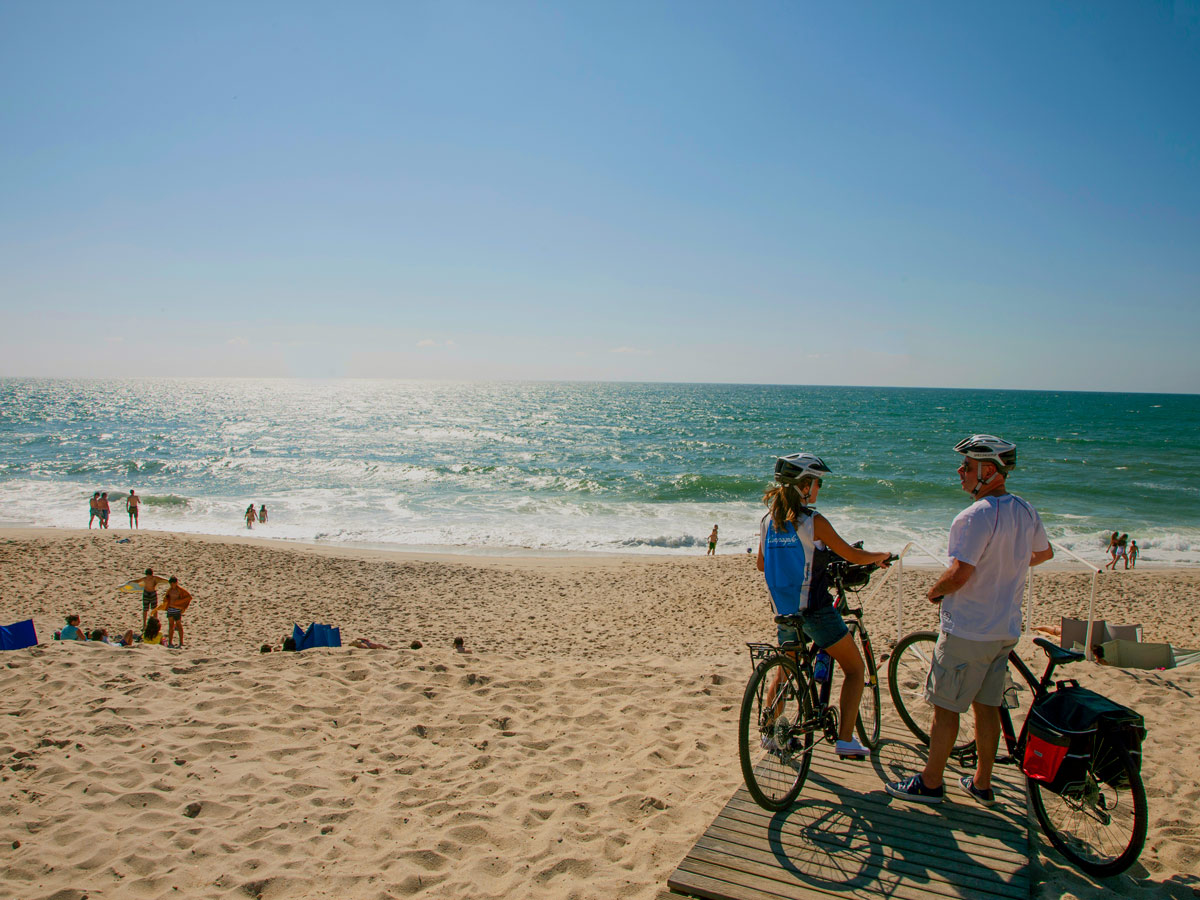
(573, 467)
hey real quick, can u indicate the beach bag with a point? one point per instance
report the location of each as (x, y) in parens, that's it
(1070, 728)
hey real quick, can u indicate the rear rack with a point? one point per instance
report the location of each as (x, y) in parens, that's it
(759, 652)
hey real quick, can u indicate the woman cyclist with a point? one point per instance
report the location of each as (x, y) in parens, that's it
(792, 533)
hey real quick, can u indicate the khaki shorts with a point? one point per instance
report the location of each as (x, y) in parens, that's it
(963, 672)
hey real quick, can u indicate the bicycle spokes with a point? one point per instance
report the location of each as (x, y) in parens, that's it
(773, 750)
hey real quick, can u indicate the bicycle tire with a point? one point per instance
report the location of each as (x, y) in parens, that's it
(908, 668)
(1074, 822)
(775, 775)
(868, 723)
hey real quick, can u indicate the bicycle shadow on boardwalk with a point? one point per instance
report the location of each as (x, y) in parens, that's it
(845, 833)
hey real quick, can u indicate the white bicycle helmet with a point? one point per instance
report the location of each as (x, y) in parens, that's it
(991, 449)
(791, 468)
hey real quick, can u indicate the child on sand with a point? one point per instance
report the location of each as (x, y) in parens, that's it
(152, 633)
(72, 632)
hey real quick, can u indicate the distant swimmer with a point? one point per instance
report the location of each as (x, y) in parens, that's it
(93, 509)
(251, 516)
(262, 514)
(131, 506)
(712, 542)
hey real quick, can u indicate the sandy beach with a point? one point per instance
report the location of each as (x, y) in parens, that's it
(577, 750)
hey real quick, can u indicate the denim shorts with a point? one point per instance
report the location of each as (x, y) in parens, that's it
(824, 625)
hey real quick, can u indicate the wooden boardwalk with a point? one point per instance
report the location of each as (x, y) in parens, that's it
(846, 836)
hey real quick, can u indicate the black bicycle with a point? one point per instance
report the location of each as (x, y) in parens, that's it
(1098, 818)
(786, 710)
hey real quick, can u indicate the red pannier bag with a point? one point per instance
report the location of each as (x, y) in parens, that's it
(1045, 750)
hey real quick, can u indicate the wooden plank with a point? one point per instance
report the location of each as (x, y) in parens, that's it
(888, 819)
(958, 817)
(967, 815)
(884, 869)
(802, 835)
(846, 836)
(827, 861)
(710, 887)
(710, 876)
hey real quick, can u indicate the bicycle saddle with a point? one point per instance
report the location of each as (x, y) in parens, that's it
(1058, 655)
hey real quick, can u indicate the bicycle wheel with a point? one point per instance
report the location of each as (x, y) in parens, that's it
(1098, 826)
(908, 669)
(775, 756)
(867, 725)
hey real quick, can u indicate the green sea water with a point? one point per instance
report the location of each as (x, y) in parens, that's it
(581, 467)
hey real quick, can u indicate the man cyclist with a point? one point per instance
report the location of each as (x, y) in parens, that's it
(791, 534)
(993, 542)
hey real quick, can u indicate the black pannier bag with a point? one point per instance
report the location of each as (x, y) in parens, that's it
(1070, 727)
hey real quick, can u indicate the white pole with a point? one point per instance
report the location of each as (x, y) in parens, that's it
(898, 568)
(1028, 601)
(1096, 573)
(1091, 615)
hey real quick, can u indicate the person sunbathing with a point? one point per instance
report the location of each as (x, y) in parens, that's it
(363, 643)
(101, 635)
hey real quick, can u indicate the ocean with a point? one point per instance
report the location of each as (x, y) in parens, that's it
(578, 468)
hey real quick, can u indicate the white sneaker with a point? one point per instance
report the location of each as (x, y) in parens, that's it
(852, 749)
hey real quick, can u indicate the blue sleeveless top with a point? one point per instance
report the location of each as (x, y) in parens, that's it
(788, 558)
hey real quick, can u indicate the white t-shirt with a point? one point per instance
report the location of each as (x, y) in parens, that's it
(996, 535)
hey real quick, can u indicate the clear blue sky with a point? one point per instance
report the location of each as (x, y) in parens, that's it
(980, 195)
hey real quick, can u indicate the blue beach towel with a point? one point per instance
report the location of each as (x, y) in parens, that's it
(316, 636)
(18, 635)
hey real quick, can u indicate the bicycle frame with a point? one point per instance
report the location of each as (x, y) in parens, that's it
(1013, 742)
(803, 653)
(1098, 821)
